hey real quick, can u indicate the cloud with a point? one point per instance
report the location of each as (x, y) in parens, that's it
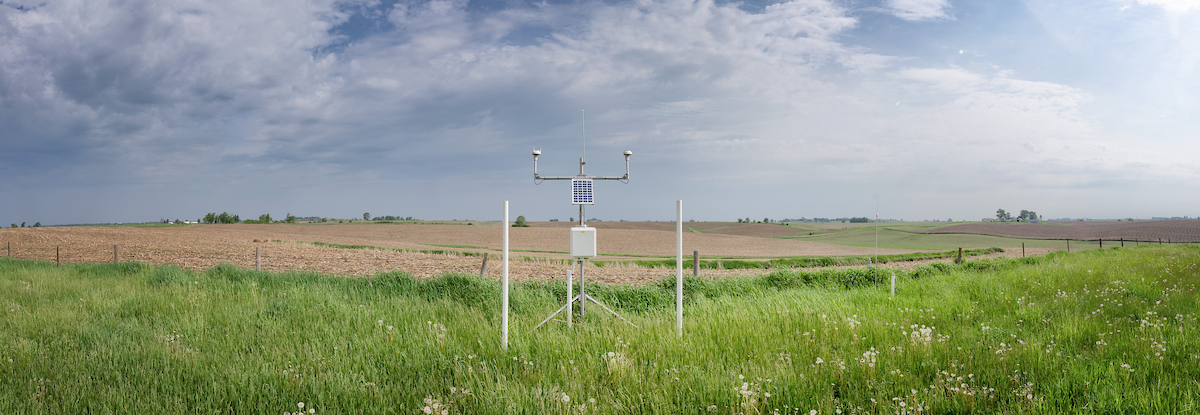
(222, 99)
(919, 10)
(1173, 6)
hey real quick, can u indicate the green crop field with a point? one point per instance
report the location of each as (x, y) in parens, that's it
(1103, 331)
(889, 238)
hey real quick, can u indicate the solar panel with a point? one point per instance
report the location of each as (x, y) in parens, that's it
(581, 192)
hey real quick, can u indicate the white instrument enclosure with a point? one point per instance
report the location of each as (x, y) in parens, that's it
(583, 242)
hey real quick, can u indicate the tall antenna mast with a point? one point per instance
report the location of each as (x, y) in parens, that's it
(583, 124)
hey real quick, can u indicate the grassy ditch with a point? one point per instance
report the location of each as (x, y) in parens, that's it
(803, 262)
(1108, 331)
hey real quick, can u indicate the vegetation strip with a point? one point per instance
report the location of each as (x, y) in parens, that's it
(805, 262)
(1109, 331)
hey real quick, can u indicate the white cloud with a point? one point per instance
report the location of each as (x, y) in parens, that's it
(1173, 6)
(917, 10)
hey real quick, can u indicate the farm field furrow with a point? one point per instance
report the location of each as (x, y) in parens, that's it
(1172, 230)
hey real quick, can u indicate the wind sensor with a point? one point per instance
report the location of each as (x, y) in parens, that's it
(583, 237)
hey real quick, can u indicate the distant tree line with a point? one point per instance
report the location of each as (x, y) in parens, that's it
(225, 217)
(1024, 216)
(748, 220)
(35, 225)
(817, 220)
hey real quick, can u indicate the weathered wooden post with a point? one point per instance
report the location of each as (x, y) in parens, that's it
(1022, 249)
(959, 259)
(1101, 243)
(695, 263)
(257, 258)
(1068, 245)
(56, 256)
(115, 257)
(1122, 242)
(483, 268)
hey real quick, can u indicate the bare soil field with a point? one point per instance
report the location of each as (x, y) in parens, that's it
(767, 230)
(288, 247)
(1166, 230)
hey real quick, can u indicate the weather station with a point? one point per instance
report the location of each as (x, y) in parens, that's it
(582, 237)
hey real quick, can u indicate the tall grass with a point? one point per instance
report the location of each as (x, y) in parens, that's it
(1100, 331)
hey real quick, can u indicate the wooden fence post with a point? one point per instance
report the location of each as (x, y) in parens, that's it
(1022, 249)
(1122, 242)
(56, 256)
(695, 263)
(959, 260)
(483, 268)
(115, 253)
(1068, 245)
(1101, 243)
(257, 258)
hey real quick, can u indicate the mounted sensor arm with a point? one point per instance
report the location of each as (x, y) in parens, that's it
(537, 178)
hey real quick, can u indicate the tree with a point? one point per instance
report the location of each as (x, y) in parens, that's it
(37, 225)
(14, 225)
(366, 216)
(766, 220)
(571, 219)
(264, 218)
(520, 222)
(739, 220)
(1001, 214)
(290, 218)
(210, 218)
(22, 224)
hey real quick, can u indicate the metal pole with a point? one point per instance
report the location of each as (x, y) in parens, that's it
(257, 258)
(679, 267)
(582, 293)
(570, 296)
(504, 284)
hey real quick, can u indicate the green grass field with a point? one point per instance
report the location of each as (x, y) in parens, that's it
(1100, 331)
(890, 238)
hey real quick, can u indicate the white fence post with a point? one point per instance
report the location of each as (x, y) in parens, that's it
(504, 321)
(679, 267)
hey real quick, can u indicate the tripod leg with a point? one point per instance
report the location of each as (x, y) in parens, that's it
(560, 309)
(608, 310)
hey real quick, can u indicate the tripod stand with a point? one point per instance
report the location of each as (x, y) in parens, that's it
(582, 298)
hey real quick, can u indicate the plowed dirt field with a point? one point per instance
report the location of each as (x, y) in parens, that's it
(289, 247)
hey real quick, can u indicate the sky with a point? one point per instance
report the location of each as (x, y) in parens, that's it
(131, 110)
